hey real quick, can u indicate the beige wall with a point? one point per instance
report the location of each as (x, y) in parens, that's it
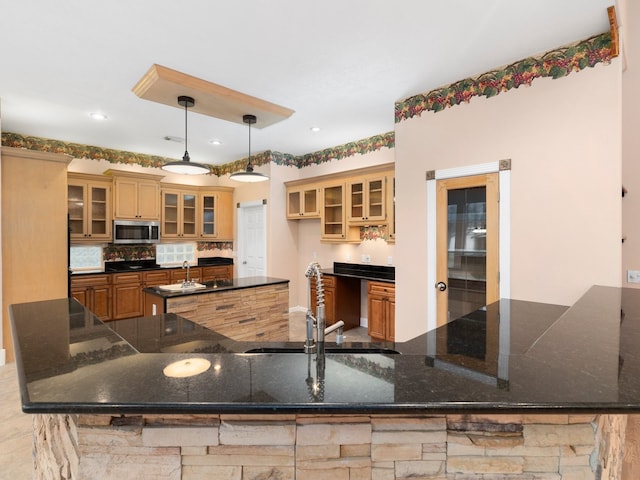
(630, 29)
(563, 137)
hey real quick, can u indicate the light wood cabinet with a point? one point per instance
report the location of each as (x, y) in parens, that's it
(89, 208)
(391, 208)
(216, 214)
(303, 202)
(34, 232)
(346, 202)
(333, 213)
(381, 307)
(94, 292)
(136, 196)
(366, 200)
(127, 295)
(179, 213)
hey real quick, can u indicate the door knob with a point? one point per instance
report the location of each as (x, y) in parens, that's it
(441, 286)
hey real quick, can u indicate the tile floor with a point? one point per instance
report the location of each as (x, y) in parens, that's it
(16, 460)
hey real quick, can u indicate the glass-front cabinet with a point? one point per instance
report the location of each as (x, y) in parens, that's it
(179, 211)
(89, 208)
(367, 198)
(303, 203)
(333, 212)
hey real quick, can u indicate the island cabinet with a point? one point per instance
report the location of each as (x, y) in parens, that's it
(89, 208)
(179, 213)
(95, 293)
(136, 196)
(341, 300)
(127, 295)
(366, 198)
(381, 307)
(303, 202)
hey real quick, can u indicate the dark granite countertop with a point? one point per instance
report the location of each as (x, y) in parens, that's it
(217, 286)
(513, 356)
(379, 273)
(147, 265)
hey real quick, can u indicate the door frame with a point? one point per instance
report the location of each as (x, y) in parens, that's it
(241, 231)
(503, 168)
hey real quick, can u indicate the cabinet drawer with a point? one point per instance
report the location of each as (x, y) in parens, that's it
(152, 279)
(90, 280)
(382, 288)
(121, 278)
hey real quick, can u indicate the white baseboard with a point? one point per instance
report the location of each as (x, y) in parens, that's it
(3, 356)
(364, 322)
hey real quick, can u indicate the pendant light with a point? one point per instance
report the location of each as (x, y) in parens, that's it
(249, 175)
(185, 166)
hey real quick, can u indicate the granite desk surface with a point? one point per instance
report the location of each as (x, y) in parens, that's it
(512, 356)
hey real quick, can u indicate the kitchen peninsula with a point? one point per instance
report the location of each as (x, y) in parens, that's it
(516, 390)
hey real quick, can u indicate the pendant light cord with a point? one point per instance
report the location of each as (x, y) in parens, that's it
(186, 150)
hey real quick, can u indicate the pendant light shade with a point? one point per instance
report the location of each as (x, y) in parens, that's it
(186, 166)
(248, 175)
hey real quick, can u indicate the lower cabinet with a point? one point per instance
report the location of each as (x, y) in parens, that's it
(127, 295)
(341, 300)
(94, 292)
(381, 307)
(180, 274)
(216, 272)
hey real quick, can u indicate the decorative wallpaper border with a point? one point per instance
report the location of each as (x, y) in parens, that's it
(88, 152)
(555, 64)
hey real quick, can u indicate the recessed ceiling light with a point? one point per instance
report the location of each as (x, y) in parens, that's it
(315, 129)
(215, 141)
(98, 116)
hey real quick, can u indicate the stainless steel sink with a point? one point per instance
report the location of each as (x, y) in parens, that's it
(350, 350)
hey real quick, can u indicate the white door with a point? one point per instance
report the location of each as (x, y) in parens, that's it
(252, 239)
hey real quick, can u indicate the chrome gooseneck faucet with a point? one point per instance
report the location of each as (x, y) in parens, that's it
(319, 321)
(187, 282)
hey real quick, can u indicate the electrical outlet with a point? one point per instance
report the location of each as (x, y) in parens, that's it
(633, 276)
(389, 260)
(348, 258)
(365, 258)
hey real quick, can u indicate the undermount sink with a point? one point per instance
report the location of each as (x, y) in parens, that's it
(350, 350)
(178, 287)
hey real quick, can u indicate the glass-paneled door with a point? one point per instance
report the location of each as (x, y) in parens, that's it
(467, 245)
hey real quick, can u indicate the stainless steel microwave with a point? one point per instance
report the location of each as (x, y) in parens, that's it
(136, 231)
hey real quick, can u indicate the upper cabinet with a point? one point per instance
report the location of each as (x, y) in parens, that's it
(179, 213)
(216, 213)
(136, 196)
(366, 199)
(345, 202)
(89, 208)
(197, 212)
(303, 202)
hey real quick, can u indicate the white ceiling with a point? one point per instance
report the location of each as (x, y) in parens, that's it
(340, 64)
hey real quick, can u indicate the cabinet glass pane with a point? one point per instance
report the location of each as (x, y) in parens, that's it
(310, 201)
(76, 203)
(294, 203)
(208, 215)
(376, 201)
(333, 223)
(357, 200)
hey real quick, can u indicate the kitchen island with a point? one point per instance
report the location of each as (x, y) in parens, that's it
(247, 308)
(517, 390)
